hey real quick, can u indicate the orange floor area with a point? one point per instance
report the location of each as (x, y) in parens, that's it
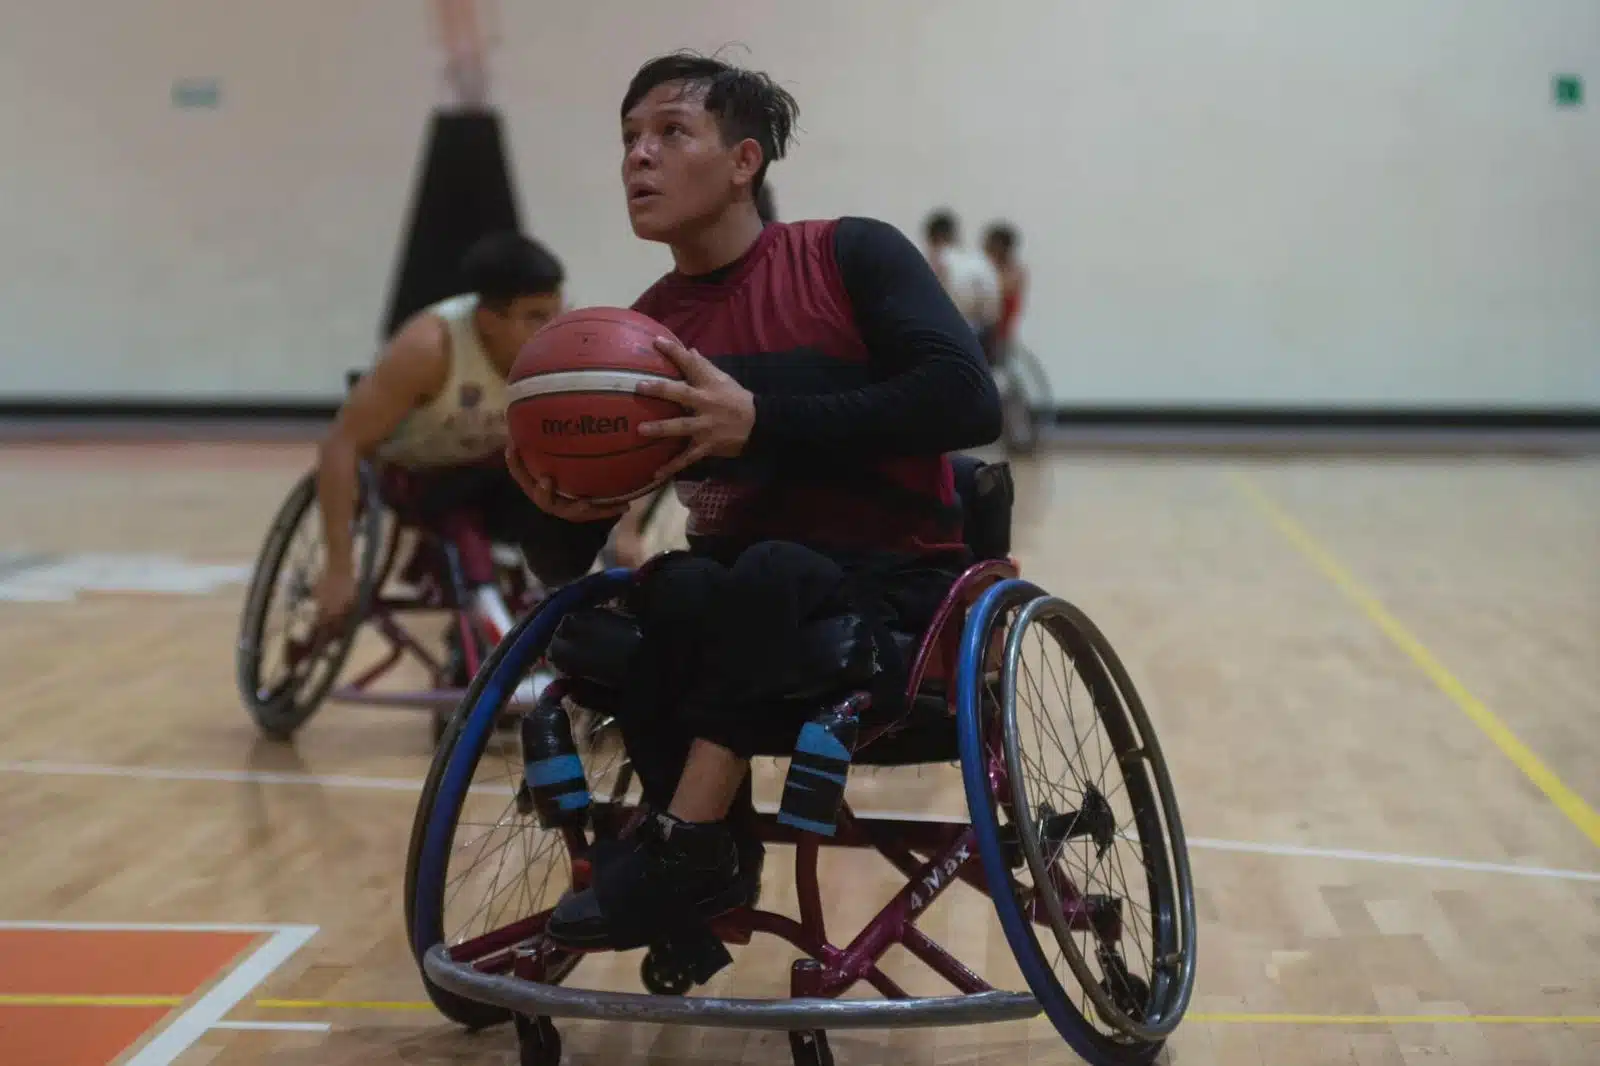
(50, 980)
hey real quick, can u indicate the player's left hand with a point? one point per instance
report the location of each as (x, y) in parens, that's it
(723, 411)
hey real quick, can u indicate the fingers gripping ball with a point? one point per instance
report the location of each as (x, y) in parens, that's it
(572, 412)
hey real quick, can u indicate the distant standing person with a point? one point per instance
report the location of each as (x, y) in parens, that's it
(1000, 245)
(967, 276)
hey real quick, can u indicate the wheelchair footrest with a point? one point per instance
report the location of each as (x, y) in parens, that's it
(558, 1001)
(820, 768)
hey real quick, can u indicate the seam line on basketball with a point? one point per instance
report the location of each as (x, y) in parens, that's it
(622, 381)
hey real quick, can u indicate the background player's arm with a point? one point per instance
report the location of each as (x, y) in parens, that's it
(412, 370)
(935, 392)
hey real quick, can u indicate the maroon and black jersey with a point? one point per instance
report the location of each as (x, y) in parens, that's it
(864, 376)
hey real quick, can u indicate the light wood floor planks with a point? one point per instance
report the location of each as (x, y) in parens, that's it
(133, 788)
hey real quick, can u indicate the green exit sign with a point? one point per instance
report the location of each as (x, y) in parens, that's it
(1567, 90)
(188, 93)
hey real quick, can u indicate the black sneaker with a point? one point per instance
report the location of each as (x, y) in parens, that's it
(667, 874)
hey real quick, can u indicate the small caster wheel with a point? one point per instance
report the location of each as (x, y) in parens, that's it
(1128, 992)
(662, 978)
(810, 1048)
(538, 1043)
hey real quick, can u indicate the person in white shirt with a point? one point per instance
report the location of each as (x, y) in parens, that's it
(434, 405)
(967, 276)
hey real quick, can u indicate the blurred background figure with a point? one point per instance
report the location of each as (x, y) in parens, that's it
(1000, 242)
(967, 276)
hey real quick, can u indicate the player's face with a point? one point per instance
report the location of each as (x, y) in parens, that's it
(676, 171)
(507, 332)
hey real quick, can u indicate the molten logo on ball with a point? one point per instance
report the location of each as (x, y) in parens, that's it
(583, 425)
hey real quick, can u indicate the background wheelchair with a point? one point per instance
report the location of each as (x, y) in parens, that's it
(1027, 405)
(287, 668)
(504, 828)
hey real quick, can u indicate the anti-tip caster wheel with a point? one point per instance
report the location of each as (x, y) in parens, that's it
(538, 1043)
(810, 1048)
(661, 978)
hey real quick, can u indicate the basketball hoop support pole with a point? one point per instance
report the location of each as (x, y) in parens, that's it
(465, 40)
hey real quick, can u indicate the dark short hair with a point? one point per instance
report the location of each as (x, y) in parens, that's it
(502, 266)
(1003, 235)
(747, 103)
(941, 226)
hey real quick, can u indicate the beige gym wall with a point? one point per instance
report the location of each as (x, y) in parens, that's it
(1224, 201)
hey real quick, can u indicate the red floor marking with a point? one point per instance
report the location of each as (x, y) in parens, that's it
(82, 962)
(74, 962)
(72, 1036)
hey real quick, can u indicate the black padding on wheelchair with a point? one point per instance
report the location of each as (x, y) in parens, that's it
(601, 644)
(598, 647)
(987, 493)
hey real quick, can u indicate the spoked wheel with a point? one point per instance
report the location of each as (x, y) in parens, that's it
(482, 873)
(1103, 897)
(1025, 400)
(285, 667)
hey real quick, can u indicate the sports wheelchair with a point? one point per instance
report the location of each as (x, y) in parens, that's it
(437, 559)
(1041, 852)
(445, 565)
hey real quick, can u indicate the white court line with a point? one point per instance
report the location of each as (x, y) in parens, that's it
(392, 784)
(149, 927)
(210, 1009)
(276, 1027)
(258, 777)
(1394, 860)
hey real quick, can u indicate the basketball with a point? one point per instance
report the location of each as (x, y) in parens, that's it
(572, 412)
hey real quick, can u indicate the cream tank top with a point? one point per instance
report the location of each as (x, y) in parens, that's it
(466, 421)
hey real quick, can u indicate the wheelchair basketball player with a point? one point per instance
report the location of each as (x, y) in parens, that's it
(829, 378)
(432, 409)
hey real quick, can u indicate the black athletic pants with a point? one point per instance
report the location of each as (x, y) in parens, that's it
(717, 635)
(488, 494)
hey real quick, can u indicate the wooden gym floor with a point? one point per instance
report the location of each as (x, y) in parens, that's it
(1377, 682)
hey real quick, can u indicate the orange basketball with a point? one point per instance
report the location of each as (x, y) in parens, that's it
(572, 411)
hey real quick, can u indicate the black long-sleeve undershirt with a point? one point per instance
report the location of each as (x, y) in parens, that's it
(934, 394)
(930, 392)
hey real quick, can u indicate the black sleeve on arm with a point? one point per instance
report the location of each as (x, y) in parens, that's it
(934, 391)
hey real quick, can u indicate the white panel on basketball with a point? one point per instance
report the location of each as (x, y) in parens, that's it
(563, 381)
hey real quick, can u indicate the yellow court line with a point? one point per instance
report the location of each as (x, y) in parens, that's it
(343, 1004)
(1565, 799)
(26, 1000)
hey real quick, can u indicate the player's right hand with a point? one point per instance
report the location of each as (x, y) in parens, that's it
(542, 491)
(336, 596)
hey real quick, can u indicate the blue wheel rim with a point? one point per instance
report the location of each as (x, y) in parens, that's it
(515, 657)
(986, 824)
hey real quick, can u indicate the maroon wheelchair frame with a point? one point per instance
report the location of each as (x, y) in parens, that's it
(932, 855)
(450, 558)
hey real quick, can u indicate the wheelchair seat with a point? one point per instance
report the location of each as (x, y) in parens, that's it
(597, 647)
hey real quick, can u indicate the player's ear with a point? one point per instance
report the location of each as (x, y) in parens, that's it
(747, 158)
